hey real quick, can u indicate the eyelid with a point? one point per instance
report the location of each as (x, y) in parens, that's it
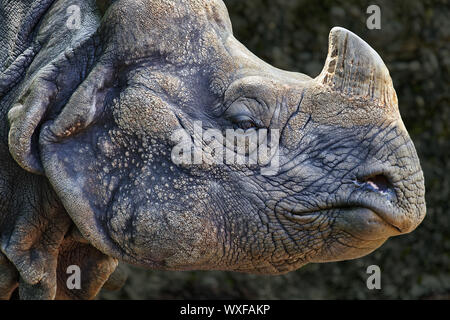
(239, 102)
(243, 117)
(239, 110)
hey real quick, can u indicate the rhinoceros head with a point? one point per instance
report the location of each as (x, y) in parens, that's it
(112, 121)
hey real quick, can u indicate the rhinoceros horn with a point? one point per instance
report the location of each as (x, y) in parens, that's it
(353, 68)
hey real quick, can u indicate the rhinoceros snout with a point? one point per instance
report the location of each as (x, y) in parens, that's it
(399, 204)
(357, 84)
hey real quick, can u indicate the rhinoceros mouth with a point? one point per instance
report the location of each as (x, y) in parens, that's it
(366, 223)
(373, 203)
(369, 211)
(363, 223)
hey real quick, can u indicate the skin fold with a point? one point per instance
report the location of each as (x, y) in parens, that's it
(87, 123)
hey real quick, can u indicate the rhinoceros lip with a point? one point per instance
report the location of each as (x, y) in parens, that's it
(363, 220)
(378, 220)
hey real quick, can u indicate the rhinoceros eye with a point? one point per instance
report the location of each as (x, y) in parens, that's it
(245, 122)
(241, 116)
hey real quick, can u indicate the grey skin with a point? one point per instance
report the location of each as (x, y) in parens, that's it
(86, 174)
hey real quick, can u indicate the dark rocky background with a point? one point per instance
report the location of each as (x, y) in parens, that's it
(414, 42)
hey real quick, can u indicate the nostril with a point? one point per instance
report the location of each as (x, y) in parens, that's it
(378, 182)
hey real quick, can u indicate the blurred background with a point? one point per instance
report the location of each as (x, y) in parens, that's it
(414, 42)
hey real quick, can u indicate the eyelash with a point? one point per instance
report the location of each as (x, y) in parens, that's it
(246, 124)
(241, 118)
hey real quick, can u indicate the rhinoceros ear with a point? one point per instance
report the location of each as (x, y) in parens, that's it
(31, 112)
(24, 117)
(354, 69)
(84, 106)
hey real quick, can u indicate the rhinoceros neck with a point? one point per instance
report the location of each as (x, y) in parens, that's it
(17, 25)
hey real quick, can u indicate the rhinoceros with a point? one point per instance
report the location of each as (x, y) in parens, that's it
(91, 96)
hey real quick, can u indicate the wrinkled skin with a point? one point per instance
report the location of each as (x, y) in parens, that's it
(89, 134)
